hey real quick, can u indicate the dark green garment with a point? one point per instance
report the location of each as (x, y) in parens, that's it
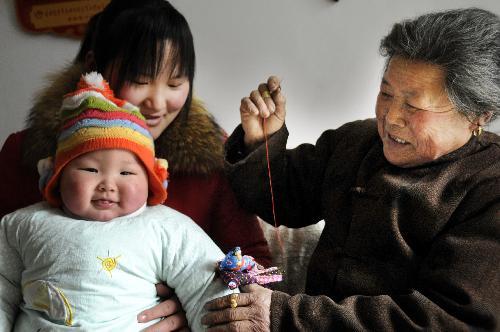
(402, 249)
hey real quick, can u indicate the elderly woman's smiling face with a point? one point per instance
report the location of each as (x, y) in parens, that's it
(416, 121)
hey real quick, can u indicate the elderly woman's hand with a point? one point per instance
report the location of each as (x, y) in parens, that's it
(265, 103)
(169, 310)
(252, 312)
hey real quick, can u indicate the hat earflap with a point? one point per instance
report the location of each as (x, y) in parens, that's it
(46, 170)
(161, 169)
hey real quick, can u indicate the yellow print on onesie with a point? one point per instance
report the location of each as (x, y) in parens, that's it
(109, 263)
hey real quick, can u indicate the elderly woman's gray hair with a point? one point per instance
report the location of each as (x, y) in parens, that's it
(466, 44)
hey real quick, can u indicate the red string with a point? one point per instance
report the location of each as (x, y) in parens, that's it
(271, 189)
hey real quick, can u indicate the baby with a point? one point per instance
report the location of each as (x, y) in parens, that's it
(91, 255)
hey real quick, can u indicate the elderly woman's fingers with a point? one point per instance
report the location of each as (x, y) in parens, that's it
(263, 100)
(247, 107)
(280, 106)
(276, 104)
(225, 301)
(265, 93)
(227, 315)
(275, 101)
(163, 309)
(256, 111)
(257, 97)
(252, 311)
(251, 123)
(273, 83)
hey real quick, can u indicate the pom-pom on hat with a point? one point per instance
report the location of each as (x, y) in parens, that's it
(94, 119)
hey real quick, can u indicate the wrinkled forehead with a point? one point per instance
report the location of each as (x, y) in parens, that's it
(413, 77)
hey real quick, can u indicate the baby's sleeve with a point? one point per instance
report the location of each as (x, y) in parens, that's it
(189, 267)
(10, 273)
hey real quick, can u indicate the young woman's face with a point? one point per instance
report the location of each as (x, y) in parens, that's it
(416, 121)
(160, 100)
(103, 185)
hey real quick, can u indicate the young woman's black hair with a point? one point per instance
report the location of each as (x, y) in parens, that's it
(129, 37)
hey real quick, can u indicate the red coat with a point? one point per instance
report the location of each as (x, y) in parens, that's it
(194, 150)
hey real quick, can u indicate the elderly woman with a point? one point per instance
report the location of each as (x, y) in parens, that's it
(410, 200)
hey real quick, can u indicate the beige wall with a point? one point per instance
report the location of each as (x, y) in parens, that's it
(325, 51)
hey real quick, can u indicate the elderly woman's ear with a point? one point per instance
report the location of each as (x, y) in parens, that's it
(484, 118)
(480, 121)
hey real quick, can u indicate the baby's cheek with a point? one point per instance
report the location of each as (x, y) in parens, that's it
(135, 196)
(75, 199)
(70, 189)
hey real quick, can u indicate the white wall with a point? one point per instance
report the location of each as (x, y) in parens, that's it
(325, 51)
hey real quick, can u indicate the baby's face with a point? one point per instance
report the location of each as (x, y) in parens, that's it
(104, 184)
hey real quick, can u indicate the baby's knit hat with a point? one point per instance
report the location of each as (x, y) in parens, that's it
(94, 119)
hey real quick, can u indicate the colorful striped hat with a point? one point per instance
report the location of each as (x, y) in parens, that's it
(94, 119)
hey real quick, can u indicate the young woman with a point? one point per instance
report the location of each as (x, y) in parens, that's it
(145, 50)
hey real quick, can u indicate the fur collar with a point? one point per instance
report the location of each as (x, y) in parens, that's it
(192, 146)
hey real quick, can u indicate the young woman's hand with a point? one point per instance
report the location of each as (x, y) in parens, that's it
(265, 103)
(173, 317)
(252, 311)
